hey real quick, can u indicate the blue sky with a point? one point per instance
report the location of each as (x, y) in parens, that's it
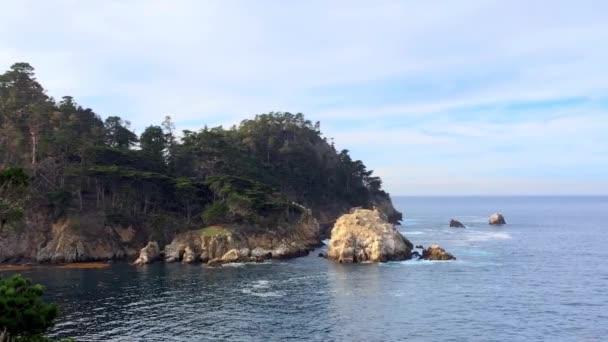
(438, 97)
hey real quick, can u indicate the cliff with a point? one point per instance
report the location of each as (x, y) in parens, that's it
(72, 239)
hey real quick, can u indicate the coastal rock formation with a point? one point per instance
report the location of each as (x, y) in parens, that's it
(456, 224)
(366, 235)
(148, 254)
(67, 240)
(435, 252)
(218, 245)
(496, 219)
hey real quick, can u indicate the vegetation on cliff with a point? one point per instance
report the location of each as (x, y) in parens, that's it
(253, 172)
(24, 316)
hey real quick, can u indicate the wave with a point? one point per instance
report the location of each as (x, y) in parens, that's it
(485, 236)
(415, 262)
(413, 232)
(263, 294)
(261, 288)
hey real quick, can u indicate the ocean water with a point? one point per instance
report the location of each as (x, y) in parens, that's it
(543, 276)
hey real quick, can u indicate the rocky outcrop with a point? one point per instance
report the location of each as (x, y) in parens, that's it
(84, 238)
(435, 252)
(217, 245)
(456, 224)
(327, 213)
(148, 254)
(366, 235)
(497, 219)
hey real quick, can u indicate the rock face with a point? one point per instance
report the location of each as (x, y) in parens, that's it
(366, 235)
(85, 238)
(435, 252)
(228, 244)
(496, 219)
(456, 224)
(148, 254)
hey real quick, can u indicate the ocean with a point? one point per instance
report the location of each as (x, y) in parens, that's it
(541, 277)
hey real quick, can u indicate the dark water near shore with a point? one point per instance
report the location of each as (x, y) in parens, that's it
(544, 276)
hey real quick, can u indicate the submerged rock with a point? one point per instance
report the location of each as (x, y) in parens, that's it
(456, 224)
(366, 235)
(148, 254)
(435, 252)
(496, 219)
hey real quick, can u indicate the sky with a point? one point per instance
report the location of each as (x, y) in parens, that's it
(474, 97)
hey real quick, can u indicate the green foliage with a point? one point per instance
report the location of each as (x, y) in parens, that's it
(247, 173)
(23, 314)
(213, 231)
(215, 213)
(13, 186)
(118, 133)
(153, 143)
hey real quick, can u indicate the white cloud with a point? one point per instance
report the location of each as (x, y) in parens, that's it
(221, 61)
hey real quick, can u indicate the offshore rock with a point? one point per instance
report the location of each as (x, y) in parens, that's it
(366, 236)
(435, 252)
(497, 219)
(456, 224)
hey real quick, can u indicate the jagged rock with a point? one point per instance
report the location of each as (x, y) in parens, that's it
(420, 246)
(497, 219)
(189, 256)
(204, 256)
(456, 224)
(259, 252)
(148, 254)
(233, 255)
(366, 235)
(287, 251)
(215, 262)
(435, 252)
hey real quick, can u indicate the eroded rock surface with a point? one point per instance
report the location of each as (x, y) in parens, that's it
(435, 252)
(497, 219)
(366, 236)
(148, 254)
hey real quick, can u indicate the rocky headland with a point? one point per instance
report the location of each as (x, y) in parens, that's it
(221, 244)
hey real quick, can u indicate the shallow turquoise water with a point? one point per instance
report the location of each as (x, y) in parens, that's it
(543, 276)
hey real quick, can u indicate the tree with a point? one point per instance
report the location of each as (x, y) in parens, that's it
(24, 316)
(118, 133)
(13, 187)
(153, 143)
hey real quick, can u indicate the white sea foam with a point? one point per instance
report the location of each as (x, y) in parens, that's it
(260, 288)
(413, 232)
(261, 284)
(486, 236)
(414, 262)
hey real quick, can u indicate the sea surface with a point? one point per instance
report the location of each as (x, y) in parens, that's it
(541, 277)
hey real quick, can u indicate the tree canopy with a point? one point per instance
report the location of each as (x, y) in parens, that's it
(24, 316)
(75, 161)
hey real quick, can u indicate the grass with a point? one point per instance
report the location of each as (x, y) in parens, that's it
(213, 231)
